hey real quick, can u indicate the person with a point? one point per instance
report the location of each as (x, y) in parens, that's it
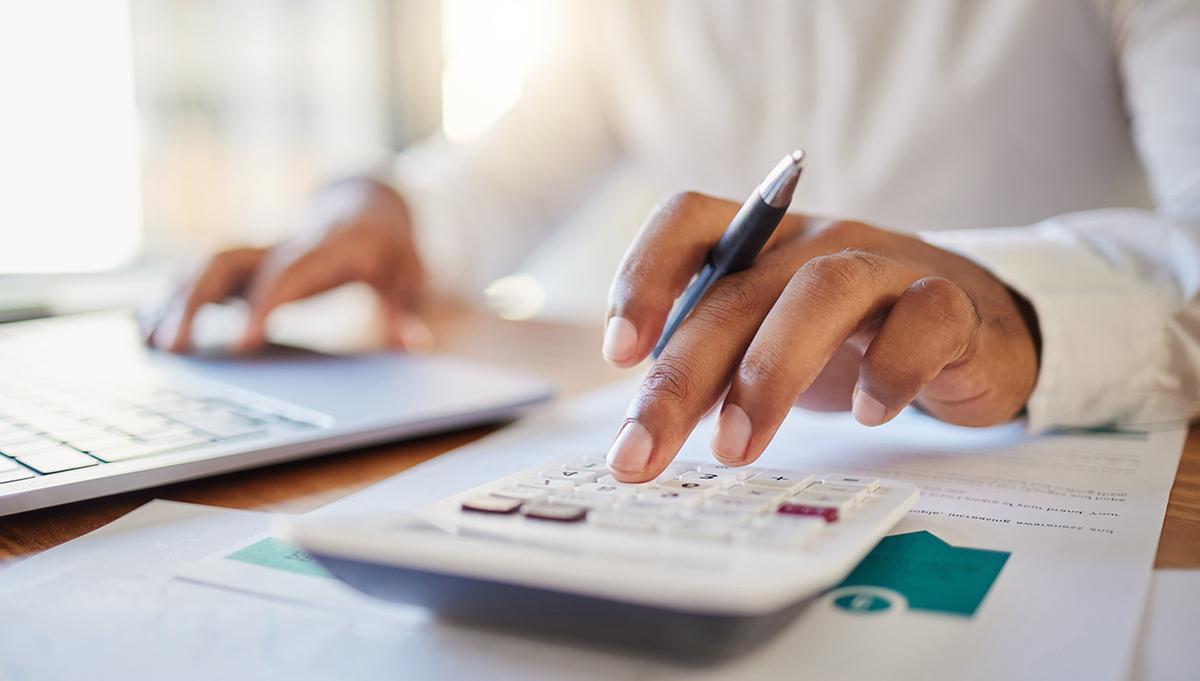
(1000, 216)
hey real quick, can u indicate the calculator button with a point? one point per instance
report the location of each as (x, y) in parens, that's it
(738, 472)
(828, 506)
(623, 520)
(667, 497)
(557, 512)
(588, 501)
(546, 483)
(598, 466)
(791, 531)
(674, 470)
(842, 502)
(654, 508)
(856, 492)
(766, 494)
(610, 480)
(727, 515)
(781, 480)
(491, 504)
(829, 513)
(746, 504)
(617, 491)
(699, 528)
(870, 483)
(570, 475)
(522, 493)
(705, 487)
(722, 480)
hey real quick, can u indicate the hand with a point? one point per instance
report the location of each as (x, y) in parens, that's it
(845, 316)
(359, 232)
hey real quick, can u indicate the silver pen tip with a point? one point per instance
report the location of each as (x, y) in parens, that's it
(776, 190)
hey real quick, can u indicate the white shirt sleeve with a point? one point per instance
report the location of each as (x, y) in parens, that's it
(478, 207)
(1117, 291)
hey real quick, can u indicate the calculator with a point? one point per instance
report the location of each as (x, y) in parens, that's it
(704, 560)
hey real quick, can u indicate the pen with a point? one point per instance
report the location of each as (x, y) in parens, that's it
(745, 236)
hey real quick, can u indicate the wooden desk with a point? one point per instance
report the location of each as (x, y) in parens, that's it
(569, 355)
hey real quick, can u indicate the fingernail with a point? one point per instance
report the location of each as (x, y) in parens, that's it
(867, 410)
(620, 340)
(732, 435)
(630, 452)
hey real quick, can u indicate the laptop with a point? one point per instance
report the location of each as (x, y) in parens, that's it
(86, 410)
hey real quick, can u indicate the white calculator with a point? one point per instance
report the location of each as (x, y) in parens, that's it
(704, 559)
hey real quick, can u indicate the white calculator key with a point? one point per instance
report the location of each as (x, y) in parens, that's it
(666, 497)
(577, 477)
(618, 490)
(722, 480)
(792, 532)
(870, 483)
(699, 528)
(610, 480)
(746, 504)
(623, 520)
(765, 494)
(522, 493)
(705, 487)
(546, 483)
(561, 513)
(843, 502)
(785, 481)
(490, 503)
(727, 515)
(858, 492)
(675, 469)
(738, 472)
(597, 466)
(657, 509)
(588, 501)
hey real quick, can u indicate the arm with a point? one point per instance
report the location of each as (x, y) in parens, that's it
(1117, 291)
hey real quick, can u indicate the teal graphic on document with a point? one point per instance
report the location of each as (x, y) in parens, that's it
(279, 555)
(926, 571)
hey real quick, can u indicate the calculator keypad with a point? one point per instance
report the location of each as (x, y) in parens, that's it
(708, 502)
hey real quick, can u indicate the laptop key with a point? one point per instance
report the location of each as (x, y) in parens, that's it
(57, 460)
(20, 449)
(222, 426)
(15, 474)
(136, 450)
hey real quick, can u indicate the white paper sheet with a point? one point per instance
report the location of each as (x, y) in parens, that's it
(1079, 513)
(1167, 650)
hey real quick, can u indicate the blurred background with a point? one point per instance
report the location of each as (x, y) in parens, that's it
(149, 131)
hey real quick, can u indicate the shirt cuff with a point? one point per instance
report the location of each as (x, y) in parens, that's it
(1101, 326)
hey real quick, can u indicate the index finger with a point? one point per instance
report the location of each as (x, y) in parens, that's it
(664, 256)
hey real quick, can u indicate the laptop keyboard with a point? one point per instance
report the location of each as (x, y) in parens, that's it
(49, 424)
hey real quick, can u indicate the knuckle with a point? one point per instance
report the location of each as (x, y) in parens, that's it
(945, 301)
(737, 297)
(760, 367)
(840, 273)
(669, 380)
